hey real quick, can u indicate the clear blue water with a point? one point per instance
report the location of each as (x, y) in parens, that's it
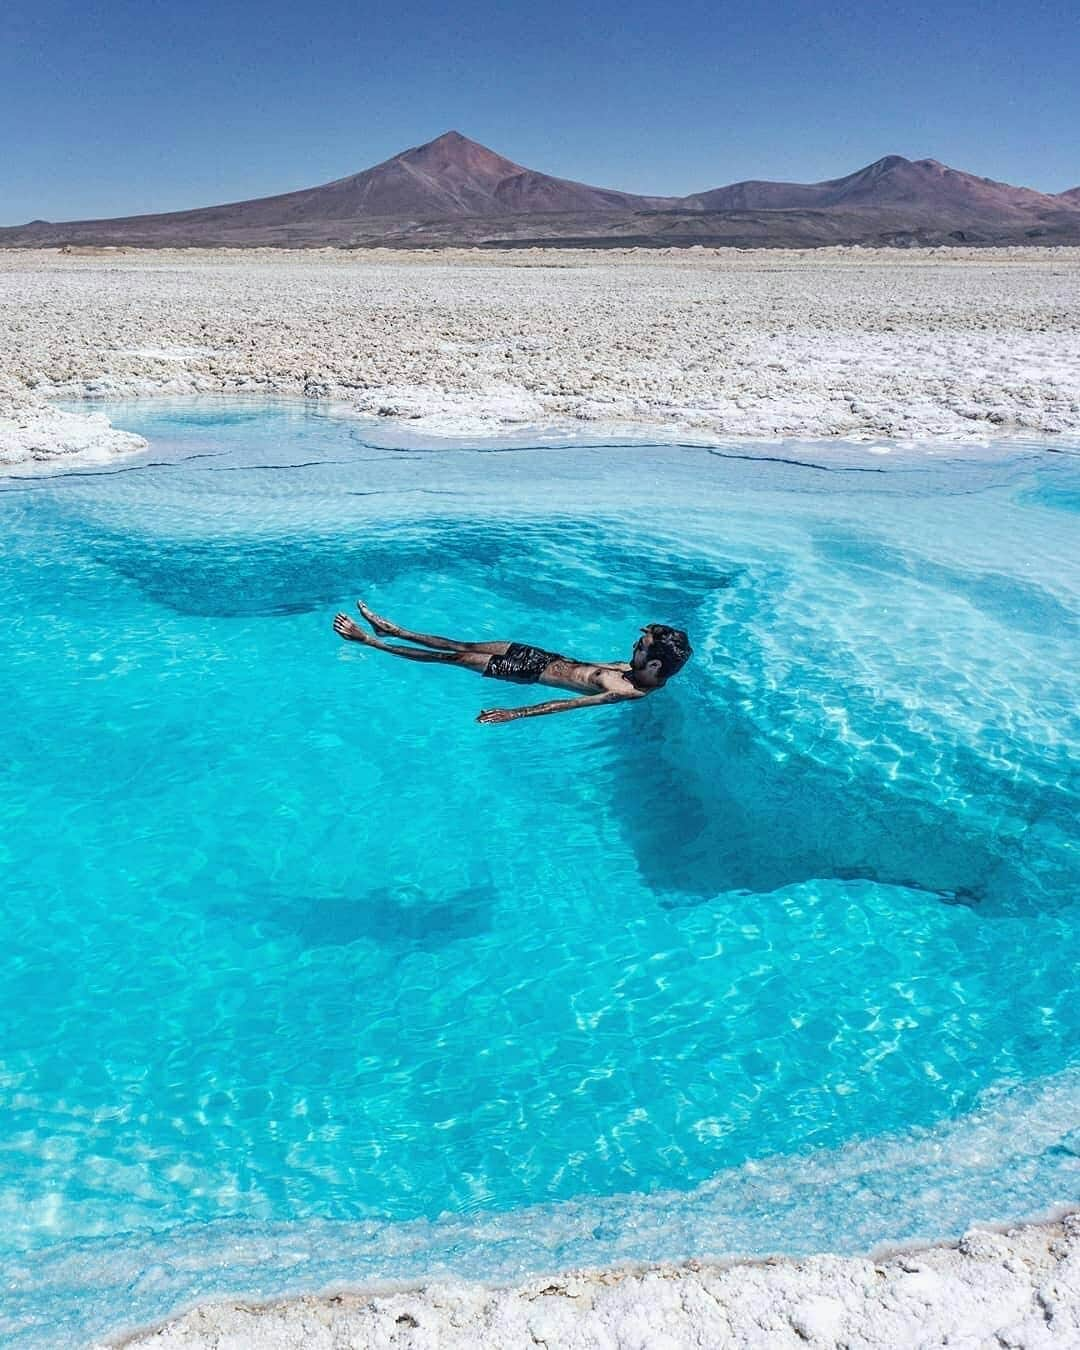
(307, 973)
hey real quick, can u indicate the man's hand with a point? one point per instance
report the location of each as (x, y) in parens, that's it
(490, 715)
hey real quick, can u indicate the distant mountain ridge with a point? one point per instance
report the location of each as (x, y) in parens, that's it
(453, 190)
(892, 181)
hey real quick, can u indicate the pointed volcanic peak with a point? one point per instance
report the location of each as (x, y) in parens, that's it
(445, 179)
(449, 176)
(923, 185)
(454, 176)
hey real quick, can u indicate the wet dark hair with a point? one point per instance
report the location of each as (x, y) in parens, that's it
(670, 646)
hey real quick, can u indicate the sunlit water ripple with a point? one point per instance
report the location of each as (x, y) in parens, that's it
(311, 978)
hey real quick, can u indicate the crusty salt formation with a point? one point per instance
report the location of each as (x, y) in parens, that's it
(858, 343)
(1019, 1289)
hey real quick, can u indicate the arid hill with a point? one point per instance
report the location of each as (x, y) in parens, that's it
(453, 191)
(921, 184)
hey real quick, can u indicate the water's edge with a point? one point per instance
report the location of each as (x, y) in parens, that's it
(80, 436)
(386, 1301)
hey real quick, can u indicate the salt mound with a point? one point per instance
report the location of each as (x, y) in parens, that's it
(35, 433)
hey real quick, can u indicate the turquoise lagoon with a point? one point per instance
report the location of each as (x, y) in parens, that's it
(309, 978)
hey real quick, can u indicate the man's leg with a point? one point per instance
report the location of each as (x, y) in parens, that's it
(384, 628)
(466, 660)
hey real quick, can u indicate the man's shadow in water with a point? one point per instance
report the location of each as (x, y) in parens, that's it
(405, 917)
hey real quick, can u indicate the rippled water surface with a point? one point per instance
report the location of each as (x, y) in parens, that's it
(308, 973)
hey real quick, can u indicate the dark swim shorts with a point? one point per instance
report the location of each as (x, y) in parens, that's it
(520, 664)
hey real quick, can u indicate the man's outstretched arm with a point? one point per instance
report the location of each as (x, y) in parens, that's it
(490, 715)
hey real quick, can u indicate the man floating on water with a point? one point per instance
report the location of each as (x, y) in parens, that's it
(659, 653)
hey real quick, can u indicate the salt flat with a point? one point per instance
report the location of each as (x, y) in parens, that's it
(848, 343)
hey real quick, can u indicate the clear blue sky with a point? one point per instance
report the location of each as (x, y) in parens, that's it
(113, 107)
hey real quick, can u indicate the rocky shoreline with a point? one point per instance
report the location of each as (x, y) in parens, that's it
(1018, 1289)
(847, 343)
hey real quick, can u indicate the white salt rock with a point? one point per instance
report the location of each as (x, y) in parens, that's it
(984, 1246)
(818, 1318)
(923, 1286)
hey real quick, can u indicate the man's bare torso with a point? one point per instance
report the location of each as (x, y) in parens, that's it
(591, 677)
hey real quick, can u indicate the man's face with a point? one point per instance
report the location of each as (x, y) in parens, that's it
(640, 655)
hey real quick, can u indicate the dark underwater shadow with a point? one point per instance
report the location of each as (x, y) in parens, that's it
(552, 564)
(723, 813)
(398, 917)
(723, 807)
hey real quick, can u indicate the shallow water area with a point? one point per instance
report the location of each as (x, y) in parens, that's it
(312, 978)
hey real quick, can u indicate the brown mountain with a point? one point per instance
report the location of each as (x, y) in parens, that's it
(449, 177)
(454, 191)
(920, 187)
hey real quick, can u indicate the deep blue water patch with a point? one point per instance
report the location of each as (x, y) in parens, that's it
(291, 942)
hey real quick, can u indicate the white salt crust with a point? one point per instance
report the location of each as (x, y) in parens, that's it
(1019, 1289)
(38, 435)
(855, 344)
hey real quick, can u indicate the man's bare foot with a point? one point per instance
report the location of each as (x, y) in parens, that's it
(380, 626)
(345, 628)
